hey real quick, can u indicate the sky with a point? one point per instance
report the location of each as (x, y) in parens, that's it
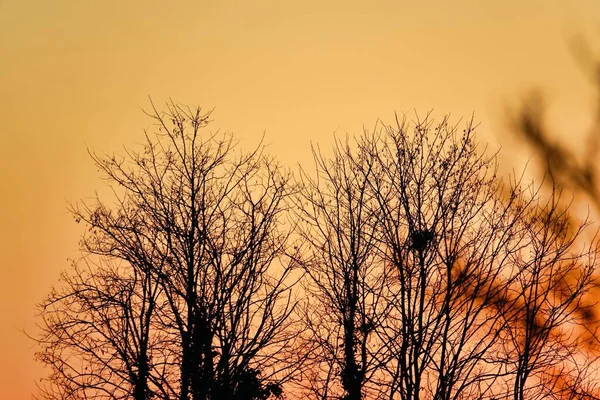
(76, 75)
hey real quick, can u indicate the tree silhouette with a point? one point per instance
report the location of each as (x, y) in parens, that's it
(98, 337)
(204, 289)
(423, 274)
(442, 227)
(576, 174)
(346, 286)
(424, 269)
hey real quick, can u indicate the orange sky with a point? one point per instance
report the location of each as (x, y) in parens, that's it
(75, 74)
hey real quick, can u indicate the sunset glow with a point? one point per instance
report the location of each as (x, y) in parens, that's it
(77, 75)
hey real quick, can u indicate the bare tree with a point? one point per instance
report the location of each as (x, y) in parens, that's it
(550, 301)
(425, 275)
(444, 233)
(422, 263)
(345, 286)
(547, 310)
(98, 337)
(205, 225)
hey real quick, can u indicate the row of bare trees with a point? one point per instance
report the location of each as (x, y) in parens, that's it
(401, 267)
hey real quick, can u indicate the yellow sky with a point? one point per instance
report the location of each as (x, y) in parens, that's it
(75, 74)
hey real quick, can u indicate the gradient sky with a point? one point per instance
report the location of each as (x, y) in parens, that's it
(75, 74)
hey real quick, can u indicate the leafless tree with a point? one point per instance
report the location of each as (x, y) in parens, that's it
(205, 225)
(547, 308)
(345, 286)
(421, 262)
(444, 233)
(98, 336)
(574, 173)
(425, 275)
